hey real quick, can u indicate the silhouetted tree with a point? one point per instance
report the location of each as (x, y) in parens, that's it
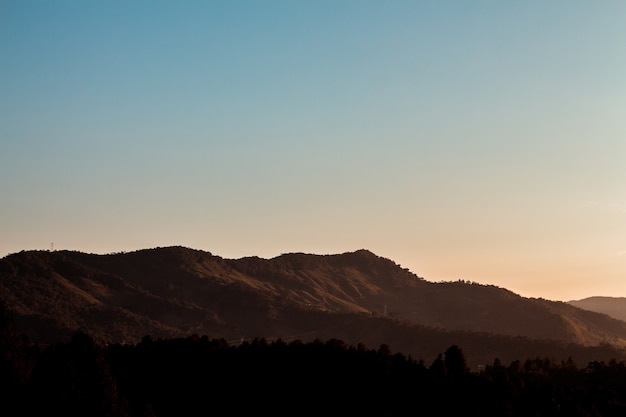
(438, 367)
(15, 361)
(186, 376)
(74, 380)
(455, 361)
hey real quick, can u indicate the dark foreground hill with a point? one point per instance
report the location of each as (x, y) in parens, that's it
(202, 376)
(356, 297)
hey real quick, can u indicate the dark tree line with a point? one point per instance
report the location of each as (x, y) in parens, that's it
(199, 376)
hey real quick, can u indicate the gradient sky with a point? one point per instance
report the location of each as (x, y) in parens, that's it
(476, 140)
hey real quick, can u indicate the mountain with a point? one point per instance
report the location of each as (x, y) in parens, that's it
(611, 306)
(358, 297)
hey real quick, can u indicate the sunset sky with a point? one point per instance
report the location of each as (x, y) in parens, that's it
(476, 140)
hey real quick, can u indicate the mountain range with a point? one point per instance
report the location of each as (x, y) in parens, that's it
(357, 297)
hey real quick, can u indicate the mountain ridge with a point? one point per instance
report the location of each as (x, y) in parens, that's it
(611, 306)
(177, 291)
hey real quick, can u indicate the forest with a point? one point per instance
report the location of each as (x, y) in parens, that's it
(199, 376)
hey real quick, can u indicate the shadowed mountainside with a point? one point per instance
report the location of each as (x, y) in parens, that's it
(355, 296)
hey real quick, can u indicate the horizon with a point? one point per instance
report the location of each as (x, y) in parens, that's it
(481, 141)
(113, 253)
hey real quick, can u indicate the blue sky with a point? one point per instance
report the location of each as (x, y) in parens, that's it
(480, 140)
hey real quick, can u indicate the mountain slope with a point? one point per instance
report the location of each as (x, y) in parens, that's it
(611, 306)
(176, 291)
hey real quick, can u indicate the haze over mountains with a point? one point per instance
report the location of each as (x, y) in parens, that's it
(358, 297)
(611, 306)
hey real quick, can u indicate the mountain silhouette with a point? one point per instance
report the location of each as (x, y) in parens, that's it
(356, 296)
(611, 306)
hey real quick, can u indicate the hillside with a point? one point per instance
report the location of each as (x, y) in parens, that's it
(611, 306)
(355, 296)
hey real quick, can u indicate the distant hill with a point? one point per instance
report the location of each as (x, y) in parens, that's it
(612, 306)
(355, 296)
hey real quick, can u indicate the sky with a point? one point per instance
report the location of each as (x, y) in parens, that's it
(474, 140)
